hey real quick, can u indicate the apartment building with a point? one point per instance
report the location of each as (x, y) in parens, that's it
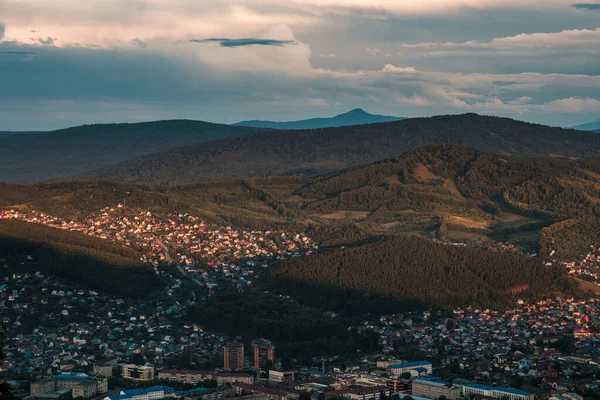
(137, 373)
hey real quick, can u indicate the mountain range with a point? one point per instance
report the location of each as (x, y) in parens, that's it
(312, 152)
(590, 126)
(357, 116)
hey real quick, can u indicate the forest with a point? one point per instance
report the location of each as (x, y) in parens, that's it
(58, 154)
(296, 330)
(89, 261)
(318, 151)
(413, 270)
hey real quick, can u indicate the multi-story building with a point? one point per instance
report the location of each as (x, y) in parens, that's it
(370, 393)
(85, 390)
(223, 378)
(415, 368)
(495, 392)
(399, 385)
(104, 370)
(271, 394)
(43, 386)
(282, 376)
(435, 388)
(192, 377)
(233, 356)
(138, 373)
(151, 393)
(80, 385)
(385, 364)
(263, 353)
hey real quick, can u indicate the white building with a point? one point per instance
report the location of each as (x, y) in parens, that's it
(415, 368)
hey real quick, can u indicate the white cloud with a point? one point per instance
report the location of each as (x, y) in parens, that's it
(535, 44)
(572, 105)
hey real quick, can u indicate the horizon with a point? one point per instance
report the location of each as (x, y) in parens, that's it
(278, 121)
(69, 63)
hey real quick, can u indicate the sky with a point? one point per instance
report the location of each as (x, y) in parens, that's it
(72, 62)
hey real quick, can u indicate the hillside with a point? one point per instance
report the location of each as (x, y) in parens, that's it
(89, 261)
(50, 155)
(9, 133)
(326, 150)
(234, 202)
(416, 270)
(450, 192)
(353, 117)
(460, 193)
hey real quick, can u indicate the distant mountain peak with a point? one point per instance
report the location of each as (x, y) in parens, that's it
(357, 116)
(356, 111)
(590, 126)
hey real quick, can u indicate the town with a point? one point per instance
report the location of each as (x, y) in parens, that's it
(67, 341)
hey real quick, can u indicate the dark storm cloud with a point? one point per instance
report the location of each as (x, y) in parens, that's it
(587, 6)
(225, 42)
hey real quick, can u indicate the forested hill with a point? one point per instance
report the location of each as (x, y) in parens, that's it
(410, 270)
(451, 187)
(93, 262)
(65, 152)
(450, 175)
(326, 150)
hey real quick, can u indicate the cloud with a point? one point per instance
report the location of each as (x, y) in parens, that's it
(46, 42)
(587, 6)
(572, 105)
(140, 43)
(225, 42)
(577, 40)
(2, 29)
(257, 60)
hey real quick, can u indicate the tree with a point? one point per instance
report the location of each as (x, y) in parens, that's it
(304, 395)
(406, 375)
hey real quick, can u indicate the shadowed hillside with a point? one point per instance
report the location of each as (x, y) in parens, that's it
(325, 150)
(413, 269)
(49, 155)
(86, 260)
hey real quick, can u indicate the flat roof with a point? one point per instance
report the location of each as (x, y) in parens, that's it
(512, 390)
(409, 364)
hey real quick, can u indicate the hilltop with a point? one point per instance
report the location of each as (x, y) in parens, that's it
(64, 152)
(357, 116)
(313, 152)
